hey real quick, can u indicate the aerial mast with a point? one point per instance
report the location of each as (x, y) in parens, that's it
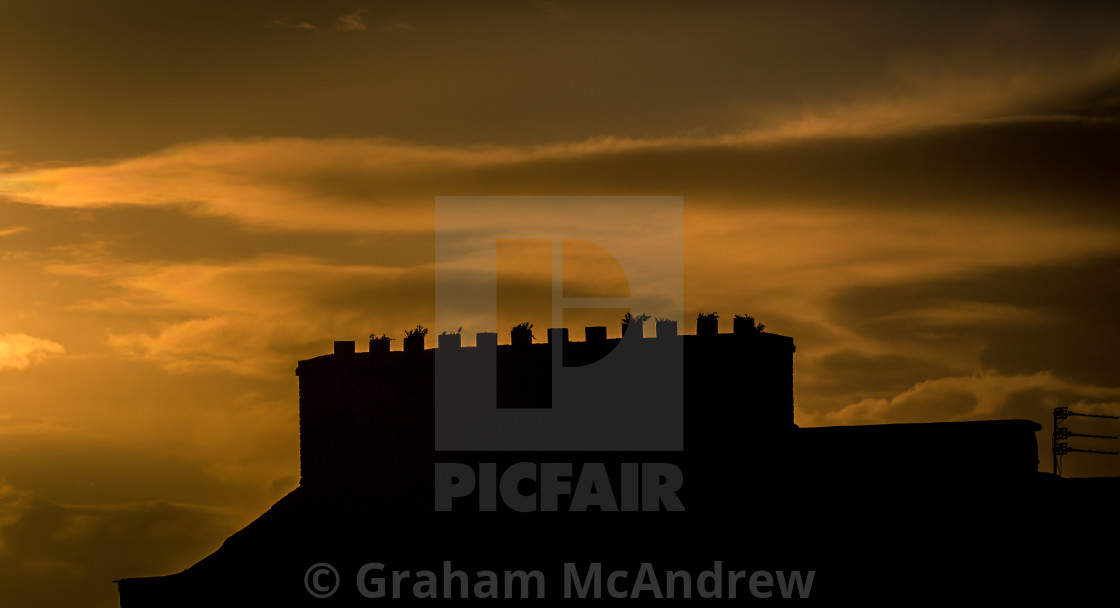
(1060, 447)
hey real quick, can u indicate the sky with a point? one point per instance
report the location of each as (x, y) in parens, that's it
(196, 196)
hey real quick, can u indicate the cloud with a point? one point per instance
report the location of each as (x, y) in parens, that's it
(13, 426)
(1018, 318)
(252, 316)
(980, 396)
(381, 186)
(113, 429)
(20, 351)
(13, 230)
(56, 554)
(777, 71)
(352, 22)
(794, 223)
(832, 379)
(954, 313)
(290, 23)
(298, 184)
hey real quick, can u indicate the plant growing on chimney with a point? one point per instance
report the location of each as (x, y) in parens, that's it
(457, 332)
(707, 324)
(379, 344)
(757, 326)
(523, 328)
(666, 327)
(414, 339)
(631, 319)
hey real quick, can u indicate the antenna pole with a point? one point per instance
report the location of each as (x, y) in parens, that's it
(1058, 445)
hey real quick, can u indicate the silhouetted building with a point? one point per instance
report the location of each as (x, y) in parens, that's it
(751, 477)
(366, 419)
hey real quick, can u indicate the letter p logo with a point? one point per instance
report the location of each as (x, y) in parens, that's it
(555, 262)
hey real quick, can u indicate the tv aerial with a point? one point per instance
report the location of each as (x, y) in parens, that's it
(1059, 442)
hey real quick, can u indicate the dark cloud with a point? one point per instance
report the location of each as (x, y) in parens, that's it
(1058, 167)
(1012, 166)
(849, 376)
(1101, 100)
(105, 472)
(110, 82)
(1074, 335)
(61, 555)
(181, 233)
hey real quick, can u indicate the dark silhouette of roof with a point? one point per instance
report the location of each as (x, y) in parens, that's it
(877, 511)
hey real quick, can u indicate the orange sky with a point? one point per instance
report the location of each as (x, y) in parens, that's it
(193, 198)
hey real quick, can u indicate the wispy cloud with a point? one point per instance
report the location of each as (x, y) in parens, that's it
(248, 317)
(379, 185)
(13, 230)
(290, 23)
(20, 351)
(982, 395)
(957, 313)
(745, 201)
(352, 22)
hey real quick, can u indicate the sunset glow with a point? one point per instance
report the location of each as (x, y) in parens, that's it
(195, 198)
